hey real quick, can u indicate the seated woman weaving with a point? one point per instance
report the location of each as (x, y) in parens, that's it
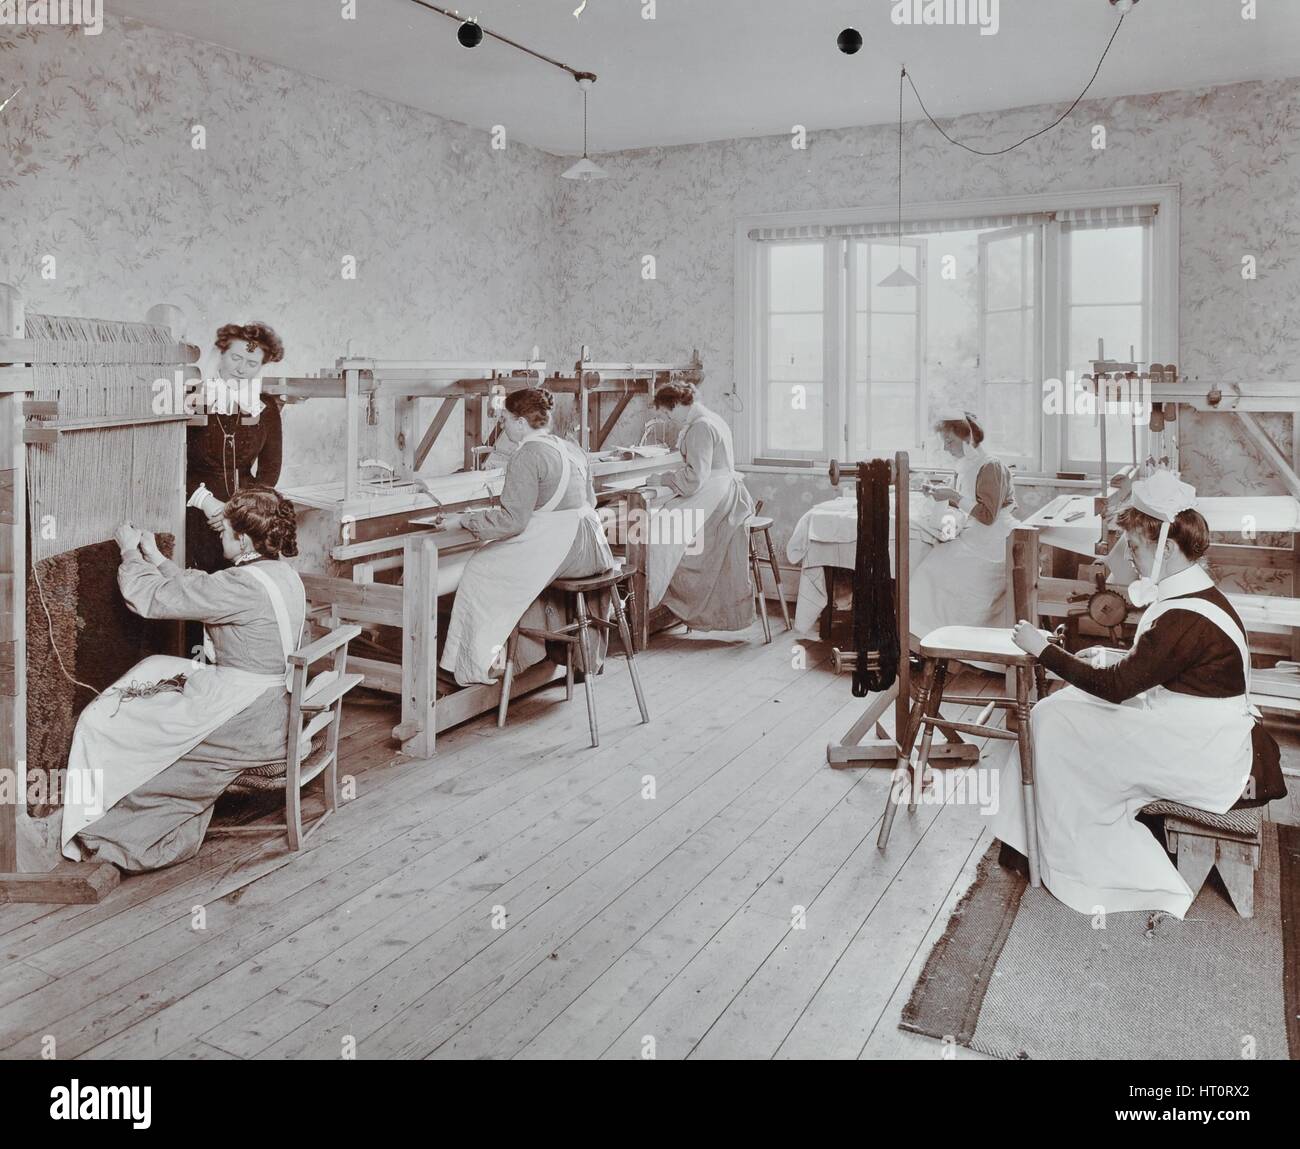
(698, 552)
(152, 754)
(545, 528)
(962, 581)
(1169, 719)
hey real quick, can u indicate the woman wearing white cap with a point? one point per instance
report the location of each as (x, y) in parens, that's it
(1168, 719)
(962, 581)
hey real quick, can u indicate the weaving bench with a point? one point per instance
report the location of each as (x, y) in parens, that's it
(1202, 840)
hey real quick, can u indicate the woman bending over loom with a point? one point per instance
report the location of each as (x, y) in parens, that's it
(1169, 719)
(698, 552)
(241, 444)
(153, 753)
(962, 581)
(545, 528)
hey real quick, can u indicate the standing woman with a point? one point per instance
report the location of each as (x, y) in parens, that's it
(151, 755)
(701, 570)
(1169, 719)
(962, 581)
(545, 528)
(240, 446)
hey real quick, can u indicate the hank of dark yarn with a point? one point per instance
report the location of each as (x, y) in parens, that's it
(875, 625)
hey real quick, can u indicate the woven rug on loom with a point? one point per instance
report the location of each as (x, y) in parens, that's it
(98, 637)
(1019, 975)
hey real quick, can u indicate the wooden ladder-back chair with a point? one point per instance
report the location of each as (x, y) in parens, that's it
(315, 708)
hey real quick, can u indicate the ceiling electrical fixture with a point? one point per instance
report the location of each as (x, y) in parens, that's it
(849, 41)
(1123, 7)
(470, 33)
(584, 169)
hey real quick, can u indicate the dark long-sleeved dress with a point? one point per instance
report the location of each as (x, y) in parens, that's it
(1170, 719)
(232, 451)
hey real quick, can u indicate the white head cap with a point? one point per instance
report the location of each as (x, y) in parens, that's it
(1163, 496)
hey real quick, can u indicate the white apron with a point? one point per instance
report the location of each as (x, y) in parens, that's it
(963, 582)
(503, 577)
(1098, 763)
(133, 740)
(675, 523)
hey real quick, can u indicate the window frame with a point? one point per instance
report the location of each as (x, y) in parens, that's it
(1164, 280)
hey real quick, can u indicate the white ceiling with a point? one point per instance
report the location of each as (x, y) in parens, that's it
(719, 69)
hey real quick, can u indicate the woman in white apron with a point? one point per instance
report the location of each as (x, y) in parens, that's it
(697, 561)
(1168, 719)
(147, 766)
(545, 528)
(962, 581)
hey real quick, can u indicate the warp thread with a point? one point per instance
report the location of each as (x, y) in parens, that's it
(875, 624)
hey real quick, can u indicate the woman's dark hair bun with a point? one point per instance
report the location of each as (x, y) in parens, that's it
(672, 395)
(267, 518)
(531, 403)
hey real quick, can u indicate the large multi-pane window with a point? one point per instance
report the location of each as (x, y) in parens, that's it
(849, 365)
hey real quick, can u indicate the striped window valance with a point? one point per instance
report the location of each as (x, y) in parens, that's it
(1079, 218)
(888, 229)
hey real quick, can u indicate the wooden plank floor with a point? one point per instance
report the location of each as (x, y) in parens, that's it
(704, 886)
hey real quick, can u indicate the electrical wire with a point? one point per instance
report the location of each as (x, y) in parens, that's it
(999, 151)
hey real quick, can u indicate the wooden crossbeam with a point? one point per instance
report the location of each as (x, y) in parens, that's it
(608, 425)
(433, 431)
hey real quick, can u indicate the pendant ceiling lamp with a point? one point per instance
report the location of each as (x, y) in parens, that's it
(900, 276)
(584, 169)
(471, 34)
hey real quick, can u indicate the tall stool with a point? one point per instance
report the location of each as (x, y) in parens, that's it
(969, 644)
(577, 635)
(759, 524)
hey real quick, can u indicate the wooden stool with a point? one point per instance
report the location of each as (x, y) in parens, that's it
(968, 644)
(761, 525)
(578, 634)
(1203, 840)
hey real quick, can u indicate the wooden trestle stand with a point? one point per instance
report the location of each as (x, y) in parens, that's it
(859, 747)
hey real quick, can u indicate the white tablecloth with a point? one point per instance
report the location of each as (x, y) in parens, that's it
(827, 536)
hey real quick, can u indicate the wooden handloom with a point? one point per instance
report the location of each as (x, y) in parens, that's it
(381, 528)
(74, 393)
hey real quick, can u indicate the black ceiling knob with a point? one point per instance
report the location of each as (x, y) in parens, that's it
(469, 34)
(850, 40)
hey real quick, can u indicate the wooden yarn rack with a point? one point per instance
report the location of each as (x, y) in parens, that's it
(860, 746)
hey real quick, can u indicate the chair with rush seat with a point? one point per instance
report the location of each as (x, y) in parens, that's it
(967, 644)
(760, 524)
(578, 635)
(315, 708)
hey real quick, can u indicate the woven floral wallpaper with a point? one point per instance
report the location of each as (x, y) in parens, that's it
(453, 242)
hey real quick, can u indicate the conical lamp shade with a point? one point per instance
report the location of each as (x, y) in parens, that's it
(585, 170)
(899, 278)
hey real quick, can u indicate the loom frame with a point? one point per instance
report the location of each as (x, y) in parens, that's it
(27, 423)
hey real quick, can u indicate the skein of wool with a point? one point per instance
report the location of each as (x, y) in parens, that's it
(875, 625)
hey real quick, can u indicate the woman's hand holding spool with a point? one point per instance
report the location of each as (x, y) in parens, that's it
(1029, 638)
(942, 494)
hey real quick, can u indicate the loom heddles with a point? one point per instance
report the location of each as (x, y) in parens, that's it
(83, 486)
